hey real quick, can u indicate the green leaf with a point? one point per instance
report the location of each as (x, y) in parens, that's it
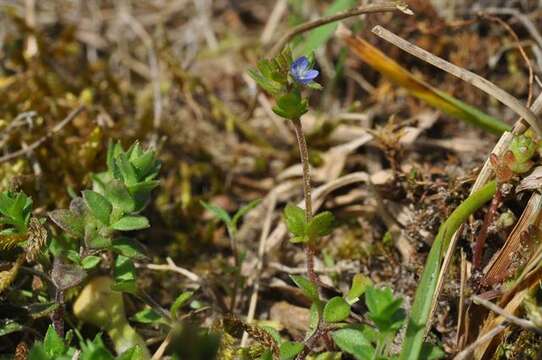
(360, 283)
(146, 316)
(68, 221)
(294, 216)
(423, 299)
(119, 196)
(273, 332)
(289, 350)
(145, 163)
(384, 309)
(124, 275)
(314, 318)
(336, 310)
(243, 211)
(523, 147)
(322, 34)
(218, 212)
(129, 223)
(314, 86)
(98, 205)
(267, 355)
(291, 106)
(126, 169)
(90, 262)
(53, 344)
(180, 302)
(432, 352)
(95, 350)
(353, 342)
(128, 248)
(73, 256)
(271, 86)
(309, 288)
(320, 225)
(299, 239)
(134, 353)
(37, 352)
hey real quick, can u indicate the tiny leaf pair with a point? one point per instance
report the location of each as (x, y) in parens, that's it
(230, 222)
(319, 225)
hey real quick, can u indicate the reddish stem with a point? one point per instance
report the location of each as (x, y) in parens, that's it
(488, 219)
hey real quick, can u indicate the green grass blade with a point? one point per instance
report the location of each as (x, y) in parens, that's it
(418, 322)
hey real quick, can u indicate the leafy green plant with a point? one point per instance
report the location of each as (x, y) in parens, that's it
(54, 347)
(231, 223)
(15, 210)
(114, 204)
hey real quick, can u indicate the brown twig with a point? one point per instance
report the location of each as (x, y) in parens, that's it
(364, 9)
(171, 266)
(524, 19)
(42, 140)
(465, 75)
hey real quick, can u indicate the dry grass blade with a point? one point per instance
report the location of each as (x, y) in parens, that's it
(466, 353)
(511, 318)
(465, 75)
(419, 88)
(494, 321)
(71, 116)
(518, 247)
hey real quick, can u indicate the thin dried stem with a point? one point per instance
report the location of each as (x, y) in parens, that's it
(72, 115)
(171, 266)
(466, 353)
(526, 324)
(364, 9)
(520, 48)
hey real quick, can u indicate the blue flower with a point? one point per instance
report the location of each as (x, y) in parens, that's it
(301, 72)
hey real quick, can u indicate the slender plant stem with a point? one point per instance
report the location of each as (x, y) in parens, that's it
(481, 240)
(304, 154)
(237, 264)
(58, 315)
(309, 248)
(307, 189)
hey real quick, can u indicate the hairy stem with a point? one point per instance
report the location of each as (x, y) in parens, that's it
(309, 248)
(304, 154)
(307, 189)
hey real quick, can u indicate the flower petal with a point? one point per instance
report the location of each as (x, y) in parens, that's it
(300, 64)
(311, 74)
